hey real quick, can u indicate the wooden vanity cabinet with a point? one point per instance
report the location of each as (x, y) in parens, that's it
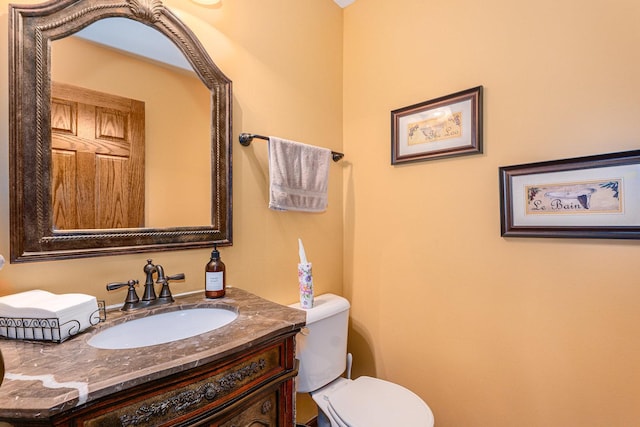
(254, 387)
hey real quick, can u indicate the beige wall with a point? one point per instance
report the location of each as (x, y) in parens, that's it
(491, 331)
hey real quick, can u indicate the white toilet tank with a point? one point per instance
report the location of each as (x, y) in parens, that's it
(322, 346)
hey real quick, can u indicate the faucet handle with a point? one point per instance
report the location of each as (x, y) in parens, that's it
(165, 292)
(132, 295)
(118, 285)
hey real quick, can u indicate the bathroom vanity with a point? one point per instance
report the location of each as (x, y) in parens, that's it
(241, 374)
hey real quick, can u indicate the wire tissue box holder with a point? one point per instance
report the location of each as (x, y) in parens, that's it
(47, 328)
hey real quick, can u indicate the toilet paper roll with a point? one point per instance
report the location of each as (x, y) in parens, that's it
(305, 281)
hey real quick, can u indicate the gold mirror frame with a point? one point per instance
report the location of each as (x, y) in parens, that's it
(32, 28)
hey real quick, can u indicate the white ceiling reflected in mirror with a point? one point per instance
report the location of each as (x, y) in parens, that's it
(136, 38)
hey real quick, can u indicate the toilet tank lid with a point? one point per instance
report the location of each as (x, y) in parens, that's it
(325, 305)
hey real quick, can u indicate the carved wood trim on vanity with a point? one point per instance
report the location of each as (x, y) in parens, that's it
(257, 388)
(193, 396)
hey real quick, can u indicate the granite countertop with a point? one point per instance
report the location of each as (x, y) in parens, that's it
(43, 379)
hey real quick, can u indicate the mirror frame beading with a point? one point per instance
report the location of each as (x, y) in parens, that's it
(32, 28)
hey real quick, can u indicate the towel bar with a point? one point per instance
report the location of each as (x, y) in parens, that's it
(246, 138)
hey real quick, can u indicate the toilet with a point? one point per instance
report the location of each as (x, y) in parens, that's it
(321, 348)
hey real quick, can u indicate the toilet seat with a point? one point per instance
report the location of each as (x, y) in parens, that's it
(372, 402)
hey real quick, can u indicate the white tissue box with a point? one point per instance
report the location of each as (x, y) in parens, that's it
(43, 316)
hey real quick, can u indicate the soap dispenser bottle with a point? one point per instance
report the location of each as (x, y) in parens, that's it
(215, 276)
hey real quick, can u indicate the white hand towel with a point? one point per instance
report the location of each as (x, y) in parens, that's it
(298, 175)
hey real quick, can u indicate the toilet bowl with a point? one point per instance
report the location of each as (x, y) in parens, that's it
(321, 349)
(371, 402)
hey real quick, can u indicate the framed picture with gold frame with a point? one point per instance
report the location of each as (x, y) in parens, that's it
(443, 127)
(585, 197)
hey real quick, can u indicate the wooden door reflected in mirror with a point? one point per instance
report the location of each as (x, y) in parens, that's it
(97, 159)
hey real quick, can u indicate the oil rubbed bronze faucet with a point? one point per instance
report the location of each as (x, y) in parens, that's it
(132, 302)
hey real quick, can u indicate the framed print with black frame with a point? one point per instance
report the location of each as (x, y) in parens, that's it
(444, 127)
(585, 197)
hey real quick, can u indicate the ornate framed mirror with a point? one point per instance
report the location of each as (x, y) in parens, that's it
(38, 175)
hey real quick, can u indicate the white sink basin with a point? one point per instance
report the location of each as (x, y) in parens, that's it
(162, 328)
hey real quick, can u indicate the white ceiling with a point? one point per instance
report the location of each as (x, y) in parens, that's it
(343, 3)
